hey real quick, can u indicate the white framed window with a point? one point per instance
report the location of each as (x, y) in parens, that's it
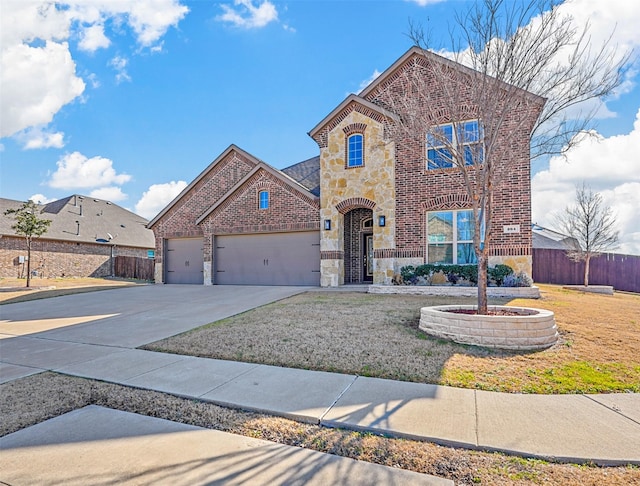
(463, 137)
(263, 199)
(450, 237)
(355, 150)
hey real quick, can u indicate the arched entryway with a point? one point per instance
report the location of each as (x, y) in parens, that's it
(358, 246)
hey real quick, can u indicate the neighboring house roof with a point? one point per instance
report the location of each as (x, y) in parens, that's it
(84, 219)
(306, 173)
(548, 239)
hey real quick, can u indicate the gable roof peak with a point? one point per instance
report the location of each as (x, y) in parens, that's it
(352, 98)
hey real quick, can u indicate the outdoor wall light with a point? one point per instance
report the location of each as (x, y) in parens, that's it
(327, 224)
(382, 220)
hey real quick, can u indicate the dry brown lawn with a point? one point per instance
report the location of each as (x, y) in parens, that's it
(378, 335)
(14, 289)
(36, 398)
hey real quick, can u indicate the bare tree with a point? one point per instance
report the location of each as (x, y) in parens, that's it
(591, 225)
(528, 72)
(28, 225)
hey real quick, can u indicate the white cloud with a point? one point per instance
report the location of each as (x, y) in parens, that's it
(37, 72)
(606, 17)
(612, 22)
(36, 83)
(40, 199)
(76, 171)
(111, 193)
(424, 3)
(157, 197)
(371, 79)
(93, 79)
(609, 166)
(39, 138)
(93, 38)
(150, 19)
(248, 16)
(119, 64)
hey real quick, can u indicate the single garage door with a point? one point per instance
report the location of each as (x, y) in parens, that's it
(184, 261)
(268, 259)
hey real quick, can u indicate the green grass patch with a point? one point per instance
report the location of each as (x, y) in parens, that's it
(584, 377)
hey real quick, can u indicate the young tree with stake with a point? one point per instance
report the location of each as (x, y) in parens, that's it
(28, 225)
(591, 225)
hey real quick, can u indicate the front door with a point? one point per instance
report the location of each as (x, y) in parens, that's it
(367, 260)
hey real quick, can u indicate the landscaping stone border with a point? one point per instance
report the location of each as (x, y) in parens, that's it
(453, 291)
(596, 289)
(530, 330)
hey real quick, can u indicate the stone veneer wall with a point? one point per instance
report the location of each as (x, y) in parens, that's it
(343, 189)
(532, 329)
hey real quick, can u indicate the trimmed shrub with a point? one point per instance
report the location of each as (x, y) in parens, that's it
(423, 274)
(499, 273)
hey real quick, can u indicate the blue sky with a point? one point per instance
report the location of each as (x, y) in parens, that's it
(130, 100)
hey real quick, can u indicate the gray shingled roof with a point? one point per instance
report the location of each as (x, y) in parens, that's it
(98, 221)
(545, 238)
(306, 173)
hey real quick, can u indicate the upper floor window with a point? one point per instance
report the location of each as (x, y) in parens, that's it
(355, 155)
(263, 198)
(450, 237)
(444, 141)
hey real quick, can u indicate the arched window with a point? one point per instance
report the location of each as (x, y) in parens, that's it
(355, 150)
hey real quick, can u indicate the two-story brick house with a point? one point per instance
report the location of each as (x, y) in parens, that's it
(372, 202)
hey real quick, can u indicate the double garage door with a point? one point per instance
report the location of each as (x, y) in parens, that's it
(268, 259)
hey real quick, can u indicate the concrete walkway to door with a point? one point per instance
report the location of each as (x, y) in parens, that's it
(95, 335)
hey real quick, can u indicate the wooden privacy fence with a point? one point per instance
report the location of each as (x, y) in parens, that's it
(554, 266)
(133, 267)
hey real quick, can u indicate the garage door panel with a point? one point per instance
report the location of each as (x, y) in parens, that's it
(184, 261)
(268, 259)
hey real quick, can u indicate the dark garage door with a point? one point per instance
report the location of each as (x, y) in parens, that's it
(268, 259)
(184, 261)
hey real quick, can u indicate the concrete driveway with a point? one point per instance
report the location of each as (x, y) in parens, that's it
(50, 333)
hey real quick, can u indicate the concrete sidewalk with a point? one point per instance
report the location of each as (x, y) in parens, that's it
(99, 338)
(604, 429)
(95, 445)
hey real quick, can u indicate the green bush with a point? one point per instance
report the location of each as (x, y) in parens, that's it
(499, 273)
(410, 274)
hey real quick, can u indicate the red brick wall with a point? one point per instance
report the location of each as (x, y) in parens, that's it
(289, 209)
(50, 258)
(180, 220)
(419, 190)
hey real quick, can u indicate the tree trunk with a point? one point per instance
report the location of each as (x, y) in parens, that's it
(586, 271)
(483, 261)
(28, 263)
